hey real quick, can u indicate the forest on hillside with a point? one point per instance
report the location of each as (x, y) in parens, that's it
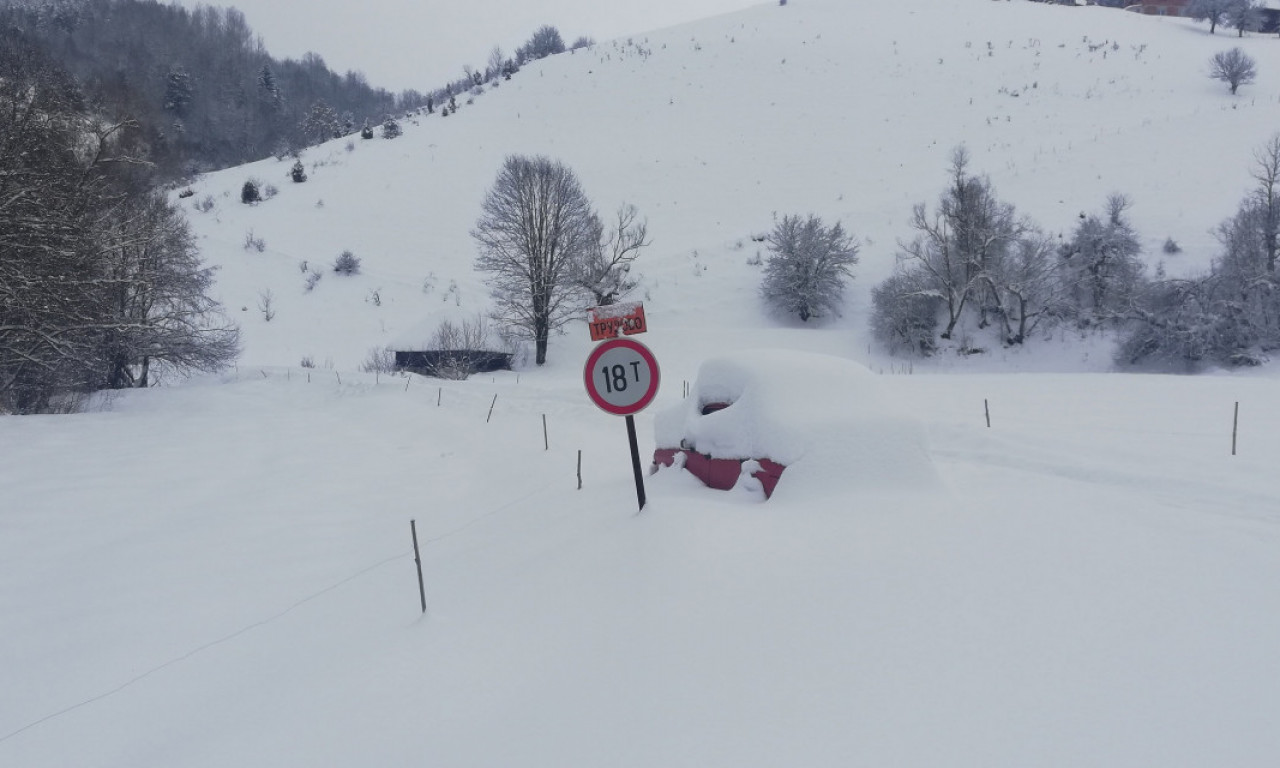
(199, 90)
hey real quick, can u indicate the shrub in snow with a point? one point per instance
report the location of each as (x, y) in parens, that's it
(269, 191)
(379, 360)
(313, 277)
(367, 131)
(458, 345)
(1171, 246)
(904, 314)
(249, 193)
(298, 173)
(390, 129)
(254, 243)
(545, 41)
(347, 263)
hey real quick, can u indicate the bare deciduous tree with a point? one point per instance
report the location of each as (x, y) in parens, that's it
(604, 270)
(1233, 67)
(536, 223)
(1244, 15)
(1231, 315)
(160, 313)
(1100, 263)
(97, 280)
(1212, 11)
(974, 256)
(961, 246)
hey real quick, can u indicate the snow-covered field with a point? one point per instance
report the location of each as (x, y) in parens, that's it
(220, 572)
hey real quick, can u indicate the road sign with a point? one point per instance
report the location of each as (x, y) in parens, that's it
(621, 376)
(605, 322)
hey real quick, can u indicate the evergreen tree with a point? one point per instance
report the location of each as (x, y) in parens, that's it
(178, 91)
(321, 123)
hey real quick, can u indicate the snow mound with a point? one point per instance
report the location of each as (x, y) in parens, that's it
(829, 420)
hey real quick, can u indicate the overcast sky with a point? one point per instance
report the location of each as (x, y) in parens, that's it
(420, 44)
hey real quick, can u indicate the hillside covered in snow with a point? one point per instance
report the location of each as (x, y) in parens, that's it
(715, 129)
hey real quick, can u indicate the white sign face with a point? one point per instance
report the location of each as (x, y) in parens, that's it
(621, 376)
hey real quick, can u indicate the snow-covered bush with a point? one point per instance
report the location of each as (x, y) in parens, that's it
(347, 263)
(904, 314)
(810, 262)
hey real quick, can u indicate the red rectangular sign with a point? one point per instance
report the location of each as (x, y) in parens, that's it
(606, 322)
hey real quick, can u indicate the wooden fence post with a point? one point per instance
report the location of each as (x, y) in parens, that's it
(1235, 428)
(417, 559)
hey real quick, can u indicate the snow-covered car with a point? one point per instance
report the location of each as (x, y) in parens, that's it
(828, 422)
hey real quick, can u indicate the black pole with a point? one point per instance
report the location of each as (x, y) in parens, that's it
(417, 559)
(635, 460)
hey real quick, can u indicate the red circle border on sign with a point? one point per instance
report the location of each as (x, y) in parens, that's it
(654, 377)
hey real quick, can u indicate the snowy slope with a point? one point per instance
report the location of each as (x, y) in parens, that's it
(712, 129)
(219, 572)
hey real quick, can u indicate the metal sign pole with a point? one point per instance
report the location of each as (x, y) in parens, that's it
(635, 460)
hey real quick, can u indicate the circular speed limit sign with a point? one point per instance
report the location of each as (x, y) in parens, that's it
(621, 376)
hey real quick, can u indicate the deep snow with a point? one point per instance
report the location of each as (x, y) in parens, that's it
(219, 572)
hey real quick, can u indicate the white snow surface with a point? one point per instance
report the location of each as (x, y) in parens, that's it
(219, 571)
